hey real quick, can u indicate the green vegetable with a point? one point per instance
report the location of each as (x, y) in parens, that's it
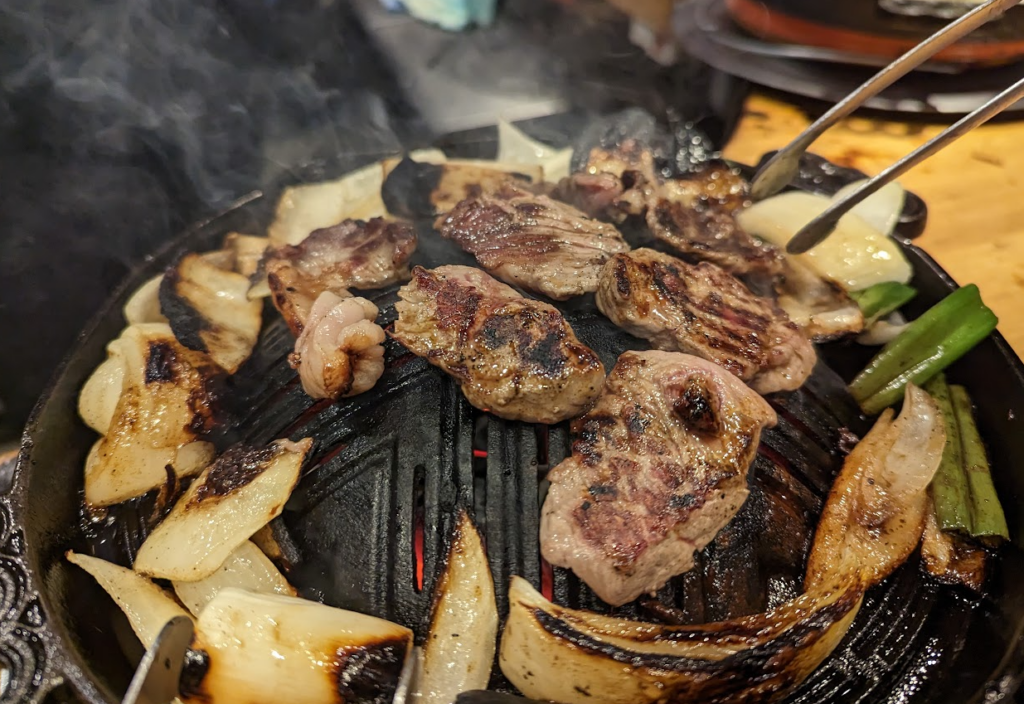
(987, 518)
(882, 299)
(950, 489)
(945, 333)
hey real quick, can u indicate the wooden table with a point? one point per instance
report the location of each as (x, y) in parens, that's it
(973, 189)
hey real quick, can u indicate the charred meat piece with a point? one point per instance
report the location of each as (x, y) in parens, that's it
(415, 189)
(705, 311)
(658, 467)
(340, 351)
(819, 306)
(533, 241)
(695, 216)
(513, 356)
(353, 253)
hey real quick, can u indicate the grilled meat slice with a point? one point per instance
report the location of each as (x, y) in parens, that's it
(340, 351)
(695, 216)
(658, 467)
(513, 356)
(354, 253)
(819, 306)
(705, 311)
(533, 241)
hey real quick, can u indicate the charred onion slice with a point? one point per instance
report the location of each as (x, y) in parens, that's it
(147, 606)
(246, 568)
(875, 512)
(165, 398)
(233, 498)
(209, 310)
(564, 655)
(271, 648)
(459, 650)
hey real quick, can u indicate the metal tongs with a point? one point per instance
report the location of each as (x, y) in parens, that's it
(783, 167)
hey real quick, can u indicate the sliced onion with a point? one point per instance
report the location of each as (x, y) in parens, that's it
(147, 606)
(881, 209)
(303, 209)
(459, 649)
(514, 146)
(233, 498)
(272, 648)
(98, 399)
(856, 255)
(144, 305)
(246, 568)
(165, 402)
(209, 310)
(247, 251)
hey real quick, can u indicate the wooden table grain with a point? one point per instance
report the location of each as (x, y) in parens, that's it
(974, 190)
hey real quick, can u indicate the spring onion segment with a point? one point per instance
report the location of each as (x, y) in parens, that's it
(987, 519)
(459, 649)
(882, 299)
(945, 333)
(949, 488)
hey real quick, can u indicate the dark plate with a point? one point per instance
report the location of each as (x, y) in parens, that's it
(705, 30)
(402, 456)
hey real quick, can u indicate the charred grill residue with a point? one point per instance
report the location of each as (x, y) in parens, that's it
(185, 321)
(408, 188)
(237, 467)
(696, 407)
(369, 673)
(161, 362)
(193, 672)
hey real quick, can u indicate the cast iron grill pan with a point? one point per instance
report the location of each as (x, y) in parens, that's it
(366, 527)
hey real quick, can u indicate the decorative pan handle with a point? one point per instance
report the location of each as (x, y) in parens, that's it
(26, 667)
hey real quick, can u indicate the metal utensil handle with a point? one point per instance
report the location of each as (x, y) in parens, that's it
(885, 78)
(818, 229)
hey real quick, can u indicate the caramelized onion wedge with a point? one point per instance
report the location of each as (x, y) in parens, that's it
(459, 649)
(147, 606)
(165, 403)
(574, 657)
(233, 498)
(271, 648)
(209, 310)
(246, 568)
(144, 305)
(874, 515)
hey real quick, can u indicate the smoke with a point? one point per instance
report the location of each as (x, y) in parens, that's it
(224, 94)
